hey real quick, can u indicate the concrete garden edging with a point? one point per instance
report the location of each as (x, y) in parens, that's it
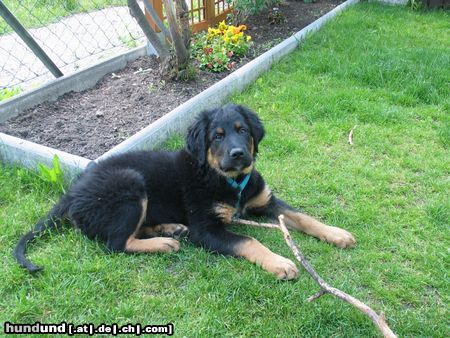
(28, 154)
(81, 80)
(394, 2)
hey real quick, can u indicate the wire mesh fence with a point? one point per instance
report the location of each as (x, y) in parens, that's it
(73, 33)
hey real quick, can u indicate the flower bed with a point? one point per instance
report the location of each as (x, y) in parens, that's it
(91, 122)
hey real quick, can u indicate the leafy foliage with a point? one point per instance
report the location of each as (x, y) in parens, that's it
(53, 175)
(415, 5)
(244, 8)
(6, 93)
(218, 49)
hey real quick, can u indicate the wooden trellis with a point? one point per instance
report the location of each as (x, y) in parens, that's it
(202, 13)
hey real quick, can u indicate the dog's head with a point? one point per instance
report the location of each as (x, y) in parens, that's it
(226, 139)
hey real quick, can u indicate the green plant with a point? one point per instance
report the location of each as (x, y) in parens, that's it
(249, 7)
(415, 5)
(188, 74)
(53, 175)
(70, 5)
(276, 17)
(244, 8)
(213, 59)
(6, 93)
(128, 40)
(218, 49)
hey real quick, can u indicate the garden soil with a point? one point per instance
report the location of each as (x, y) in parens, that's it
(91, 122)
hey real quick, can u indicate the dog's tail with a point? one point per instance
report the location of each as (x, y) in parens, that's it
(53, 220)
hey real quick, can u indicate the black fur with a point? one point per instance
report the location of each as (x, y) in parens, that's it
(196, 138)
(181, 187)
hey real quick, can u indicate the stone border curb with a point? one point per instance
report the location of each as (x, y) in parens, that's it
(29, 154)
(78, 81)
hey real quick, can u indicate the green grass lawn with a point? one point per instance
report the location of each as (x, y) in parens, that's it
(384, 69)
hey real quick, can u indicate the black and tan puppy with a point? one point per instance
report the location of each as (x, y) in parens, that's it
(141, 201)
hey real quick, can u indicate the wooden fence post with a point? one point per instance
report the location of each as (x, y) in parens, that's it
(210, 13)
(157, 6)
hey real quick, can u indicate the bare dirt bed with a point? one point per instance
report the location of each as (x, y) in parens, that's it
(91, 122)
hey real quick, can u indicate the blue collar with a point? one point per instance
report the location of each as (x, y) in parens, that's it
(241, 186)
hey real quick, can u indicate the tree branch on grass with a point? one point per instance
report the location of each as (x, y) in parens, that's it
(350, 135)
(378, 320)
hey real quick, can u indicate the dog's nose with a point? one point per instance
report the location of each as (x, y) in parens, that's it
(236, 153)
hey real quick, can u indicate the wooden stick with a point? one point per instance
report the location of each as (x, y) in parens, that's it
(378, 320)
(350, 135)
(255, 224)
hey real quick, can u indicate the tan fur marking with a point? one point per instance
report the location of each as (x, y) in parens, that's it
(144, 204)
(170, 228)
(309, 225)
(248, 169)
(255, 252)
(156, 244)
(147, 232)
(259, 201)
(220, 130)
(238, 125)
(225, 212)
(165, 230)
(213, 161)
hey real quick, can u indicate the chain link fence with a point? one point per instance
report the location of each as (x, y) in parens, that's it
(73, 33)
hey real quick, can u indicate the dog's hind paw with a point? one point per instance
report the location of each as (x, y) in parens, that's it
(339, 237)
(174, 230)
(155, 244)
(165, 244)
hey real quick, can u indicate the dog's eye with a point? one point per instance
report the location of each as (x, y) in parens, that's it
(218, 137)
(242, 131)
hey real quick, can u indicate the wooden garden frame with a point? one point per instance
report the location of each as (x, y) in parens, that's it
(202, 13)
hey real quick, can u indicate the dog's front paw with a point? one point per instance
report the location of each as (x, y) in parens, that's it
(281, 267)
(339, 237)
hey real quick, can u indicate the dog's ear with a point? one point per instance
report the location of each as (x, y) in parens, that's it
(256, 126)
(197, 137)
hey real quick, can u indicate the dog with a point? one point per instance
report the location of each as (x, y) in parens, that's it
(144, 201)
